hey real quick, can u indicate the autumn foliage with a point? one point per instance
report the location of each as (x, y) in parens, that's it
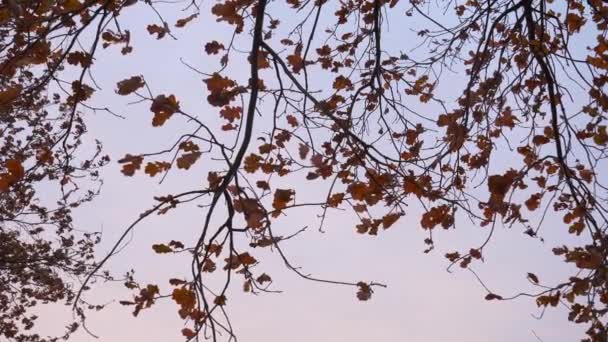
(495, 118)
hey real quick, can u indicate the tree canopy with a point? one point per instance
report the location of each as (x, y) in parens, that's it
(479, 113)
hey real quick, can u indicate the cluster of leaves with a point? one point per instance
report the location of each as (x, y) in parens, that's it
(360, 131)
(43, 175)
(366, 139)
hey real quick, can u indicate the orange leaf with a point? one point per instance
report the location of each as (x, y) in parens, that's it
(296, 62)
(574, 22)
(15, 168)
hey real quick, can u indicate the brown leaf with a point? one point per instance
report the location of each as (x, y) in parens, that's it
(492, 296)
(600, 137)
(475, 253)
(296, 62)
(162, 249)
(160, 31)
(390, 219)
(220, 300)
(533, 202)
(246, 259)
(186, 160)
(186, 20)
(365, 291)
(9, 94)
(79, 57)
(208, 266)
(228, 11)
(163, 108)
(358, 191)
(281, 198)
(342, 82)
(574, 22)
(184, 297)
(325, 50)
(15, 168)
(214, 249)
(263, 278)
(130, 85)
(292, 121)
(188, 333)
(213, 47)
(533, 277)
(156, 167)
(131, 164)
(231, 113)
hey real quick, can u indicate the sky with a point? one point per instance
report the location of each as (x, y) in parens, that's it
(422, 302)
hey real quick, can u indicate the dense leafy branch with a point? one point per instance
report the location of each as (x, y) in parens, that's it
(518, 135)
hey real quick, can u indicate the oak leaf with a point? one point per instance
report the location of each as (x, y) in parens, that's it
(574, 22)
(160, 31)
(186, 160)
(213, 47)
(130, 164)
(296, 62)
(390, 219)
(130, 85)
(281, 198)
(156, 167)
(163, 108)
(184, 297)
